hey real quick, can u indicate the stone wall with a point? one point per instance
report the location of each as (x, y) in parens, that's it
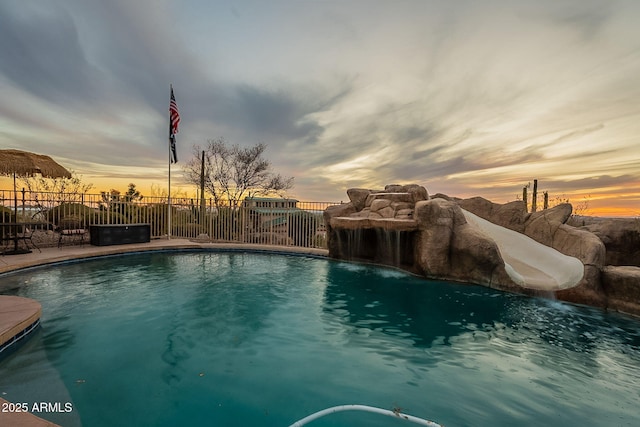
(621, 237)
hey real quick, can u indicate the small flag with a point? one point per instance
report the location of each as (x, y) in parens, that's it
(174, 120)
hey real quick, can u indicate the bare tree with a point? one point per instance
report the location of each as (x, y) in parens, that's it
(62, 187)
(50, 192)
(233, 173)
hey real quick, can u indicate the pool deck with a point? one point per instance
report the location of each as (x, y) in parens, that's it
(18, 314)
(22, 419)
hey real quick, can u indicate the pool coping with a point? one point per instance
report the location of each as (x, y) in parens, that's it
(10, 263)
(20, 316)
(22, 419)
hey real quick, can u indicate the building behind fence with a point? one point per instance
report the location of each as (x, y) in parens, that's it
(270, 221)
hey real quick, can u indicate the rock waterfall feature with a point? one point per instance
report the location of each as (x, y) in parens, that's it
(472, 240)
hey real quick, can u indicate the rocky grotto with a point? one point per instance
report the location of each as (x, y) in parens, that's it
(591, 261)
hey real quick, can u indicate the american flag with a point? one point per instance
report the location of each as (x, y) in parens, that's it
(174, 120)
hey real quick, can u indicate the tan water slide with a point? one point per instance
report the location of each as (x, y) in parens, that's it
(529, 263)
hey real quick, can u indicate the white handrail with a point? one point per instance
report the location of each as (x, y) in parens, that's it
(395, 413)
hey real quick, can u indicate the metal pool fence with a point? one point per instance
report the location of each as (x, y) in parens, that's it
(270, 221)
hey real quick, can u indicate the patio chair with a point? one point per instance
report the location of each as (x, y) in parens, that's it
(71, 228)
(12, 235)
(6, 236)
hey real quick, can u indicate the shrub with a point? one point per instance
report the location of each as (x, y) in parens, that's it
(82, 213)
(7, 214)
(187, 230)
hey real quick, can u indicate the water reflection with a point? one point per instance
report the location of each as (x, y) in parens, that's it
(28, 376)
(376, 308)
(220, 302)
(377, 300)
(280, 333)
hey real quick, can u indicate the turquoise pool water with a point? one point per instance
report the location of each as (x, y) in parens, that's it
(235, 339)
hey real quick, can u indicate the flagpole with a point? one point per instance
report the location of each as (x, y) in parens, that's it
(174, 120)
(169, 190)
(169, 203)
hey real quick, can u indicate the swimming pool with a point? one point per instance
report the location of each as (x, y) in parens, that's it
(226, 339)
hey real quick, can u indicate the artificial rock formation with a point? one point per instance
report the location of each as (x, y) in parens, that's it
(374, 221)
(447, 246)
(621, 285)
(403, 226)
(621, 237)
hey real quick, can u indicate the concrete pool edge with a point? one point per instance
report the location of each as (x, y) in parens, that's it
(13, 263)
(23, 419)
(18, 317)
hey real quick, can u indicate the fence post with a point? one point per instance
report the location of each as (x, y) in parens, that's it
(23, 191)
(546, 200)
(202, 199)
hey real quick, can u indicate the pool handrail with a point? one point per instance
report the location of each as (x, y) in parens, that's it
(394, 413)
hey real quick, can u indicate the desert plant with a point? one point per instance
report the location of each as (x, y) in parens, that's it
(580, 208)
(82, 213)
(156, 215)
(54, 191)
(188, 229)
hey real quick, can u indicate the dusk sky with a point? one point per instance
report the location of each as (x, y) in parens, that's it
(466, 98)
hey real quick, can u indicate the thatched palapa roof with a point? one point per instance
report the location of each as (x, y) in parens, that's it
(24, 163)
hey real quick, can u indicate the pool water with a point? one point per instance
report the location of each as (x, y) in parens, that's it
(241, 339)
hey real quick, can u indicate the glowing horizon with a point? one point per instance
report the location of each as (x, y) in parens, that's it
(595, 203)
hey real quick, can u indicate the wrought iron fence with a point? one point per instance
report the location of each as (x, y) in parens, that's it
(285, 222)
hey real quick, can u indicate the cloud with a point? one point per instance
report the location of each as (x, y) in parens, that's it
(283, 114)
(466, 96)
(606, 183)
(40, 52)
(588, 20)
